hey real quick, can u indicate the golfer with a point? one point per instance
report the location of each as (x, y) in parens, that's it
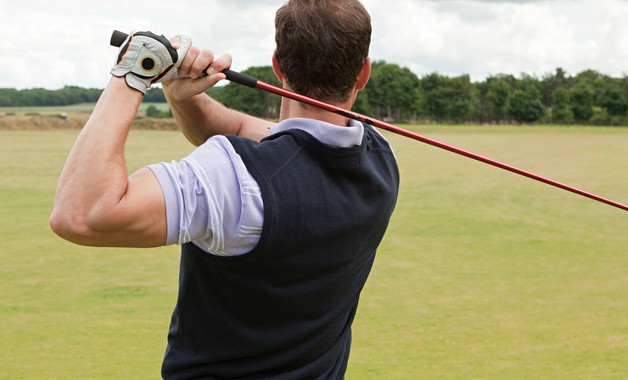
(278, 223)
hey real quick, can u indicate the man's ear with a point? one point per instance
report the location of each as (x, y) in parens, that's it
(365, 73)
(276, 68)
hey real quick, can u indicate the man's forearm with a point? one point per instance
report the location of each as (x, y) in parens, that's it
(94, 178)
(201, 117)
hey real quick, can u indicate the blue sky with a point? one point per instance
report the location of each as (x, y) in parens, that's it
(50, 45)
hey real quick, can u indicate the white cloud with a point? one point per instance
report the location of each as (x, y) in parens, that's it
(50, 45)
(606, 35)
(463, 37)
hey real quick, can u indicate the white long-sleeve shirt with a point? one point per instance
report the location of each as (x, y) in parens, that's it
(213, 201)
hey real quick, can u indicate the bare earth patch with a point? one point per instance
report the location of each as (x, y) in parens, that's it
(47, 123)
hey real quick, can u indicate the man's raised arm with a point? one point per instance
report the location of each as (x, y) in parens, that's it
(95, 203)
(198, 115)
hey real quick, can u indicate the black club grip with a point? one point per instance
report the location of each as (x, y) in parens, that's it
(240, 78)
(117, 38)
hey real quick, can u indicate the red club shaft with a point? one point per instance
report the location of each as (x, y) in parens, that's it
(404, 132)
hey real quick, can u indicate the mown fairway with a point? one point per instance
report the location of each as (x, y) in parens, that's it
(483, 274)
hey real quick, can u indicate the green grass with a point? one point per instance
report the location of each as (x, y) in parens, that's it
(483, 274)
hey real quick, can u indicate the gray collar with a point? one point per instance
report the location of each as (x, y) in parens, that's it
(326, 133)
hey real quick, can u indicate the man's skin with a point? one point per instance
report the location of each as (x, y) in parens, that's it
(96, 203)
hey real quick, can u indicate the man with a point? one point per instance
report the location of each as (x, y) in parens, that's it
(278, 236)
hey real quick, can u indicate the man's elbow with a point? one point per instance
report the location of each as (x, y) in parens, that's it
(69, 226)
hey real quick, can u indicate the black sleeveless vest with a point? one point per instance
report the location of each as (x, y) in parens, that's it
(284, 310)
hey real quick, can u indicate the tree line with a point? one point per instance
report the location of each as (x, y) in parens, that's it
(396, 94)
(68, 95)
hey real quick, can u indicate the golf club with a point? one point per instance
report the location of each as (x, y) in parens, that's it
(118, 37)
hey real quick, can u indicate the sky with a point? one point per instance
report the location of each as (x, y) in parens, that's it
(49, 45)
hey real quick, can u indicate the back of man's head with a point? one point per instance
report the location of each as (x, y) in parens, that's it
(322, 46)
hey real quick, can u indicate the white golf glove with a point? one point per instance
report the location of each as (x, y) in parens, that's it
(145, 58)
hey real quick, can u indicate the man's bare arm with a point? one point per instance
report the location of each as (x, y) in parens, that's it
(95, 203)
(201, 117)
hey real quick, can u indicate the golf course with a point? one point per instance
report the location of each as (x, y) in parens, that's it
(483, 274)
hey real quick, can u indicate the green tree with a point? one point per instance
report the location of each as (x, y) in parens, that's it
(582, 101)
(39, 97)
(434, 102)
(589, 77)
(447, 99)
(154, 95)
(8, 97)
(461, 98)
(561, 106)
(525, 105)
(613, 99)
(552, 82)
(362, 104)
(253, 101)
(497, 98)
(392, 91)
(481, 108)
(152, 111)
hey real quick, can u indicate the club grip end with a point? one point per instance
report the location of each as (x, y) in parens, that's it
(117, 38)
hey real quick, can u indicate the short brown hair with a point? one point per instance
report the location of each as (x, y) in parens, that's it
(322, 46)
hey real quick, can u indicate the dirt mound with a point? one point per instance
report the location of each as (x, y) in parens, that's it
(46, 123)
(37, 122)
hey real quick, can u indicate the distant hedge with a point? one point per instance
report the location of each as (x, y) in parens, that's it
(396, 94)
(68, 95)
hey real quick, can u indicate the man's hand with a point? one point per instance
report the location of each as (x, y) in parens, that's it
(145, 58)
(199, 117)
(192, 79)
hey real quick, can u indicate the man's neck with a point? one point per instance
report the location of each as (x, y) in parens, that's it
(294, 109)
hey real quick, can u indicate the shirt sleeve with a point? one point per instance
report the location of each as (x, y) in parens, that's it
(211, 200)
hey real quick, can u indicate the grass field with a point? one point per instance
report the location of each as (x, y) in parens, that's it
(482, 274)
